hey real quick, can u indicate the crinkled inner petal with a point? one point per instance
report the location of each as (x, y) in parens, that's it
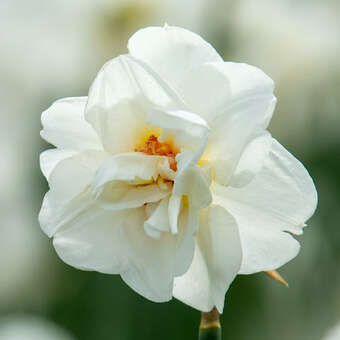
(188, 131)
(129, 180)
(194, 183)
(158, 221)
(124, 91)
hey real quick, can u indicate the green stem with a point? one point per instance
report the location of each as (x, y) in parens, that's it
(210, 327)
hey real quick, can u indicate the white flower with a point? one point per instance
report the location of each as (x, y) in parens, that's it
(167, 175)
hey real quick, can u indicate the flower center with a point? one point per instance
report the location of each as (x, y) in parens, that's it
(153, 146)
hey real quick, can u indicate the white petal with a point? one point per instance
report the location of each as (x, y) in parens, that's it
(127, 167)
(252, 160)
(67, 180)
(195, 185)
(115, 242)
(50, 158)
(119, 195)
(128, 181)
(189, 132)
(242, 121)
(174, 209)
(207, 89)
(73, 175)
(121, 95)
(158, 221)
(65, 127)
(171, 51)
(237, 101)
(217, 260)
(282, 197)
(244, 78)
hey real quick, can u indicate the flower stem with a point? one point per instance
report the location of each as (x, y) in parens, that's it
(210, 327)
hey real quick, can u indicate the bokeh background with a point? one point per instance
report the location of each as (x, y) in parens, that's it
(53, 49)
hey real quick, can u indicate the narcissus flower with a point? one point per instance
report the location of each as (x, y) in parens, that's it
(166, 174)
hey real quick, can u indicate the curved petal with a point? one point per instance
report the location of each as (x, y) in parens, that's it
(132, 167)
(217, 260)
(188, 131)
(194, 184)
(208, 88)
(187, 228)
(231, 132)
(115, 242)
(65, 127)
(50, 158)
(282, 197)
(174, 208)
(158, 219)
(171, 51)
(128, 180)
(68, 179)
(120, 195)
(237, 102)
(123, 92)
(251, 160)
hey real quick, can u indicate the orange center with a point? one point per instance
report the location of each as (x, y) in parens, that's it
(154, 147)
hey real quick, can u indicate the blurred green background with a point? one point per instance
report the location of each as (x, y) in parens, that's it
(53, 49)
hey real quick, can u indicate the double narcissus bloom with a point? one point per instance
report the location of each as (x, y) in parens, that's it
(166, 174)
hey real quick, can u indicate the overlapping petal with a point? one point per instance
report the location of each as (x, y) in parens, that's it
(128, 180)
(50, 158)
(282, 197)
(67, 180)
(216, 262)
(115, 242)
(211, 87)
(65, 127)
(124, 91)
(239, 114)
(171, 51)
(189, 133)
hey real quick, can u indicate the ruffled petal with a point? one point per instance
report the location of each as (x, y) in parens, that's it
(124, 91)
(241, 111)
(188, 131)
(68, 179)
(194, 183)
(50, 158)
(115, 242)
(65, 127)
(282, 197)
(209, 88)
(216, 262)
(251, 160)
(128, 180)
(171, 51)
(158, 219)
